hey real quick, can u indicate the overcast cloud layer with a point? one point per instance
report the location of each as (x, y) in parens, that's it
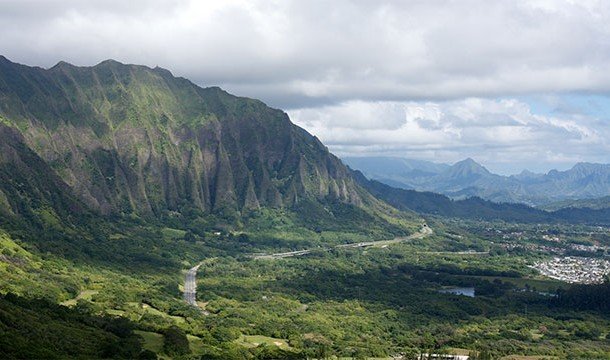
(438, 80)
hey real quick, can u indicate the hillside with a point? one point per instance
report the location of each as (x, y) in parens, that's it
(596, 204)
(29, 189)
(131, 139)
(90, 155)
(467, 178)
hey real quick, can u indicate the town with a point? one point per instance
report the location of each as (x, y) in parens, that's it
(575, 270)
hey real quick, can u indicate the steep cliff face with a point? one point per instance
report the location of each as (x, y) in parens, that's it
(29, 189)
(128, 138)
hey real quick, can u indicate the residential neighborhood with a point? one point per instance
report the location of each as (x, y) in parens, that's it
(573, 269)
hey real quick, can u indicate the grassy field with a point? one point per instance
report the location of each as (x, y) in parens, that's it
(115, 312)
(152, 341)
(83, 295)
(153, 311)
(172, 234)
(196, 344)
(256, 340)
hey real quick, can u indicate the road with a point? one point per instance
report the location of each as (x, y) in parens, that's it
(467, 252)
(190, 285)
(423, 232)
(190, 281)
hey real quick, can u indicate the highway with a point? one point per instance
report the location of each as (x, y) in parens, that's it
(190, 285)
(190, 281)
(423, 232)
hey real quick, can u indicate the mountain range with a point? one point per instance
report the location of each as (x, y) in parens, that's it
(120, 139)
(117, 139)
(468, 178)
(115, 177)
(476, 208)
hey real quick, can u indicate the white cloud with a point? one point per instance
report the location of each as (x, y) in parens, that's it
(496, 132)
(406, 77)
(292, 53)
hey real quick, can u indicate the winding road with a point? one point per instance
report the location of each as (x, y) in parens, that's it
(190, 281)
(423, 232)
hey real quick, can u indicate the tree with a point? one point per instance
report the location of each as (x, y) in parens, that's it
(175, 341)
(190, 236)
(147, 355)
(317, 346)
(225, 334)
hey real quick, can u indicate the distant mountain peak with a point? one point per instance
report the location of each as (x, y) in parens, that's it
(468, 178)
(110, 62)
(468, 165)
(468, 161)
(526, 175)
(587, 166)
(63, 64)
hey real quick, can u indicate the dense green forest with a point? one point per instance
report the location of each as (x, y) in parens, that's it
(357, 303)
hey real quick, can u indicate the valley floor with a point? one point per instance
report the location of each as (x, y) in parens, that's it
(373, 299)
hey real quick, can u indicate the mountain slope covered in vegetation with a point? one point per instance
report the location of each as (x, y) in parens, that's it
(130, 139)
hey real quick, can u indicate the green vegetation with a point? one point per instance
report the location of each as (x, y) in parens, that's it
(175, 342)
(116, 179)
(597, 203)
(36, 329)
(151, 341)
(372, 302)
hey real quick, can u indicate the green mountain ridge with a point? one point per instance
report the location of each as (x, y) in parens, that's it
(131, 139)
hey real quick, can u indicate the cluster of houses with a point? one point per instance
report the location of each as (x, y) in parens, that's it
(589, 248)
(553, 238)
(573, 269)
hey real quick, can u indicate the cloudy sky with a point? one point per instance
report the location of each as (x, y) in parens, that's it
(512, 84)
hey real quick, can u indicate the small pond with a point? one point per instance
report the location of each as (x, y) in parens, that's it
(465, 291)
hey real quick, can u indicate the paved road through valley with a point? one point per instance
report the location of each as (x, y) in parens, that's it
(190, 285)
(190, 282)
(423, 232)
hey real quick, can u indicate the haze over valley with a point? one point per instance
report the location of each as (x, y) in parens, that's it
(468, 178)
